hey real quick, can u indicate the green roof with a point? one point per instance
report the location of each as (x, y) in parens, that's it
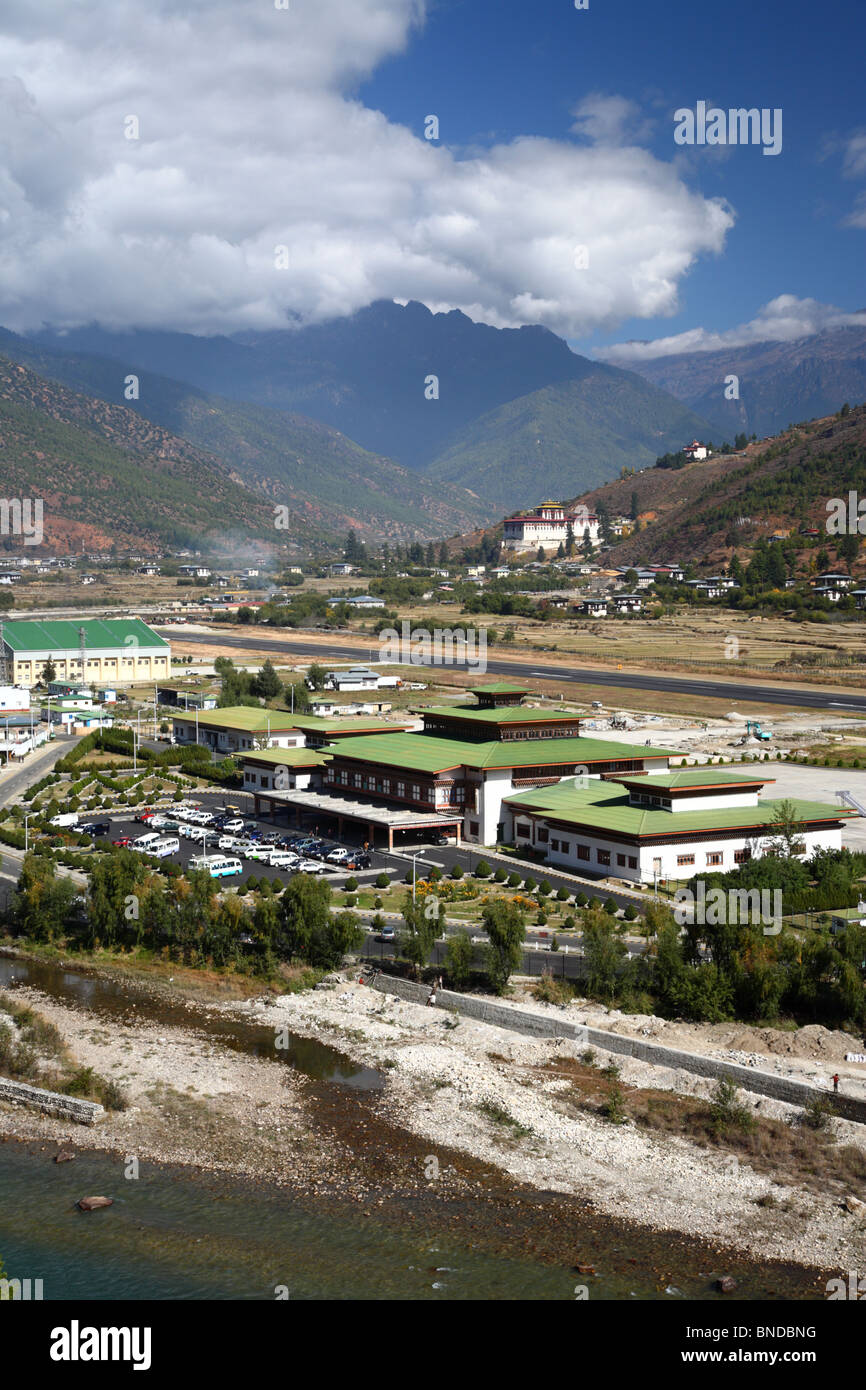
(606, 806)
(317, 723)
(245, 718)
(697, 777)
(58, 636)
(432, 753)
(288, 757)
(498, 688)
(502, 714)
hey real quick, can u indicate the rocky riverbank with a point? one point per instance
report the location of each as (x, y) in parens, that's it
(469, 1118)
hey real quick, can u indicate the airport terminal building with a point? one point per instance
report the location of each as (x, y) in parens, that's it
(499, 772)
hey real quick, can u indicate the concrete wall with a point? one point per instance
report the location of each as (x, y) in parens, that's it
(486, 1010)
(83, 1112)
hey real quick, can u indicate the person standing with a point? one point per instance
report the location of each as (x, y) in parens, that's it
(836, 1084)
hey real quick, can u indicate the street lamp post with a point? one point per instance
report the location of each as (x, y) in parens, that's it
(26, 834)
(414, 876)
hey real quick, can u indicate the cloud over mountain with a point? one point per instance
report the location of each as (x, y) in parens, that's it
(252, 137)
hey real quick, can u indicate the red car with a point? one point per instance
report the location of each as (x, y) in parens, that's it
(122, 842)
(145, 815)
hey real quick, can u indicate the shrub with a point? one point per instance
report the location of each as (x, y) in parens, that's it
(727, 1111)
(483, 869)
(350, 900)
(500, 876)
(456, 871)
(252, 884)
(383, 881)
(630, 913)
(530, 885)
(611, 906)
(562, 895)
(377, 902)
(545, 888)
(580, 900)
(434, 875)
(514, 880)
(569, 922)
(351, 884)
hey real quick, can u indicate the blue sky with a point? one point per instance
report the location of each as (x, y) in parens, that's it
(214, 166)
(493, 70)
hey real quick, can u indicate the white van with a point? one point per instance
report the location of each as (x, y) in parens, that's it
(166, 845)
(145, 844)
(282, 859)
(217, 865)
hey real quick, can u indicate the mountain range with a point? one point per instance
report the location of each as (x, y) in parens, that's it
(396, 421)
(777, 383)
(497, 412)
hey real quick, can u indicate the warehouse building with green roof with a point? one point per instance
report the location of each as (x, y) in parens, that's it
(116, 651)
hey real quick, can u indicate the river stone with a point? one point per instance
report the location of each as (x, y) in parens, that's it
(94, 1203)
(64, 1156)
(727, 1283)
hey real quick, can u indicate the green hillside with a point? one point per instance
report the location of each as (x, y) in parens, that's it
(329, 482)
(107, 476)
(564, 439)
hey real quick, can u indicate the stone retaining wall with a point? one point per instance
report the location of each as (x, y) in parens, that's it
(549, 1026)
(82, 1112)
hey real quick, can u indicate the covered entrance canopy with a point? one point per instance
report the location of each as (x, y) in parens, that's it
(371, 815)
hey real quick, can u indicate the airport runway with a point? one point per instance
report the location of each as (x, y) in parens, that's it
(736, 692)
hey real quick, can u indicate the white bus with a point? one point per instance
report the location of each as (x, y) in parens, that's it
(217, 865)
(145, 844)
(166, 845)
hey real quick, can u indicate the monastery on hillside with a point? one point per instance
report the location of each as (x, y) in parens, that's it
(548, 525)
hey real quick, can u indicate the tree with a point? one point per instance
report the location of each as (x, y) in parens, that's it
(416, 941)
(316, 675)
(459, 955)
(297, 697)
(7, 600)
(634, 511)
(267, 683)
(787, 830)
(604, 953)
(49, 671)
(506, 930)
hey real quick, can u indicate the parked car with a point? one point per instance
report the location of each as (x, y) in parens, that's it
(64, 820)
(122, 841)
(228, 842)
(441, 840)
(339, 856)
(361, 861)
(310, 866)
(259, 852)
(95, 827)
(387, 934)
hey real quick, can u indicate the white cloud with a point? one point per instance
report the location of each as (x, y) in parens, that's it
(253, 137)
(782, 320)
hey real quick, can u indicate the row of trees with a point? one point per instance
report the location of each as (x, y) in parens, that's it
(129, 903)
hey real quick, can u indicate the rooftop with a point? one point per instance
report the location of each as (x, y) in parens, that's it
(61, 635)
(606, 806)
(695, 778)
(430, 753)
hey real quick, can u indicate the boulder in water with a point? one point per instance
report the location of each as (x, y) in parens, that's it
(94, 1203)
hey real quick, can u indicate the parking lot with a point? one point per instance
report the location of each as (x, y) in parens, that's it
(396, 863)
